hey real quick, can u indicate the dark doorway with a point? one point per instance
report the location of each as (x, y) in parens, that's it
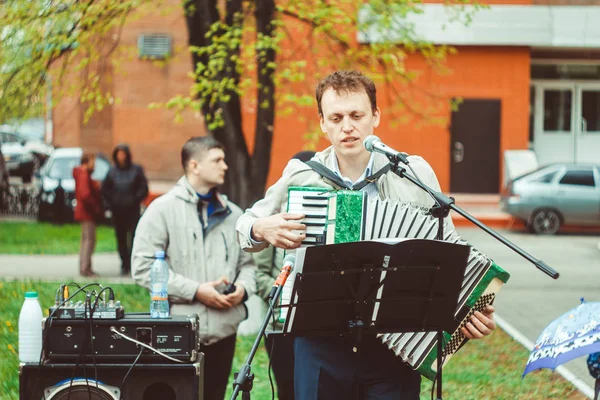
(475, 147)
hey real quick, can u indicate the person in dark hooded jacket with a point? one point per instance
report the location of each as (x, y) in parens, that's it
(123, 191)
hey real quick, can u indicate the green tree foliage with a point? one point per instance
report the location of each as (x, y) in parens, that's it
(45, 41)
(267, 53)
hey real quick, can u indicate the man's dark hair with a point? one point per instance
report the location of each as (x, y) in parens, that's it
(196, 146)
(347, 82)
(86, 157)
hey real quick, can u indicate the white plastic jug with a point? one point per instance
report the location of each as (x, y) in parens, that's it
(30, 329)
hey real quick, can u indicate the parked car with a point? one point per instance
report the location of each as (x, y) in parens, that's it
(23, 154)
(4, 184)
(56, 183)
(554, 195)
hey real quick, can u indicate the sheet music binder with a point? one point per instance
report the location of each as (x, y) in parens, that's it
(376, 287)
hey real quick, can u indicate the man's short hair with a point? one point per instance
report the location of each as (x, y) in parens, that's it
(86, 157)
(196, 146)
(347, 82)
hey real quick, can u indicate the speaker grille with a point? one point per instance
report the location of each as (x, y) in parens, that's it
(82, 389)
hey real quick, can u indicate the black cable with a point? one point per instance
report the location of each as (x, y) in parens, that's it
(87, 305)
(270, 367)
(272, 352)
(77, 362)
(92, 328)
(112, 295)
(90, 319)
(128, 371)
(48, 324)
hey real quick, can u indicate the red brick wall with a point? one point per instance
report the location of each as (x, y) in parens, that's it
(155, 139)
(567, 2)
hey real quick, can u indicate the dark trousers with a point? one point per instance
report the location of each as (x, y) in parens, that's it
(125, 222)
(327, 368)
(218, 358)
(86, 247)
(281, 353)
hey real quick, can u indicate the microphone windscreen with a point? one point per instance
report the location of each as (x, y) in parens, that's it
(370, 141)
(290, 259)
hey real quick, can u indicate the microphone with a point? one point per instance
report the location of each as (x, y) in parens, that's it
(374, 144)
(288, 266)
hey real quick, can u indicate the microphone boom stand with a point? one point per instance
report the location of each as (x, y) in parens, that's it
(244, 378)
(441, 210)
(447, 203)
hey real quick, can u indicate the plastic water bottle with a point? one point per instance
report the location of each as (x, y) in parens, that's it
(159, 277)
(30, 329)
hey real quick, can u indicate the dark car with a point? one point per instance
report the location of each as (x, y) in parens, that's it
(554, 195)
(23, 154)
(3, 184)
(57, 186)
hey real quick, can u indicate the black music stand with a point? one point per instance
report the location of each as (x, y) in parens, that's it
(358, 288)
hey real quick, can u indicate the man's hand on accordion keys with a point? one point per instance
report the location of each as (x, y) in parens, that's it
(481, 324)
(281, 230)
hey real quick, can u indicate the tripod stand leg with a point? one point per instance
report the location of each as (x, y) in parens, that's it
(440, 349)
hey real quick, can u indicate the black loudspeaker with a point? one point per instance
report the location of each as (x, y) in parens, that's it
(144, 382)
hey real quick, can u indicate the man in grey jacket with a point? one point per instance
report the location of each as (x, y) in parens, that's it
(195, 226)
(326, 367)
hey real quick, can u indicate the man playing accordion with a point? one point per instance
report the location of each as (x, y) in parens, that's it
(327, 367)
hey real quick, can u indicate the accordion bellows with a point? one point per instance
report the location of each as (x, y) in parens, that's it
(349, 216)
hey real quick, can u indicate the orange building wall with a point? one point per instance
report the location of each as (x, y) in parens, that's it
(475, 72)
(153, 135)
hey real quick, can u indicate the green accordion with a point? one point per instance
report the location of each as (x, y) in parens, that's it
(349, 216)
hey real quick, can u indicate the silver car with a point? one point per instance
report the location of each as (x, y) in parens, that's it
(555, 195)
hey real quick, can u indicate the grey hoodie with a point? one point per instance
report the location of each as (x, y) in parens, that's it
(195, 254)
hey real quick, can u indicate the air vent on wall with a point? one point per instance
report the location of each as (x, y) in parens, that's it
(154, 46)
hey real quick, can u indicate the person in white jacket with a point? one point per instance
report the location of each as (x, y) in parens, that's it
(195, 226)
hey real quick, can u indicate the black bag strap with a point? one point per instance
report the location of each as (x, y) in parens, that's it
(371, 178)
(332, 176)
(327, 173)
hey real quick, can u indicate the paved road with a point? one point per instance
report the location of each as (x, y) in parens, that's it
(531, 299)
(529, 302)
(106, 265)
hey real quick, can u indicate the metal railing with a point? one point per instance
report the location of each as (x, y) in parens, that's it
(20, 201)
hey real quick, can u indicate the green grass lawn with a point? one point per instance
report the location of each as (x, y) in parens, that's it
(484, 369)
(45, 238)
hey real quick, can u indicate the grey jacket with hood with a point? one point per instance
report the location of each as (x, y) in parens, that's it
(196, 252)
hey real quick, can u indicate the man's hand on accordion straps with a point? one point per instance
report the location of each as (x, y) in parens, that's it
(281, 230)
(481, 324)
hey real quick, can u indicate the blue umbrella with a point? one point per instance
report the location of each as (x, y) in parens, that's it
(572, 335)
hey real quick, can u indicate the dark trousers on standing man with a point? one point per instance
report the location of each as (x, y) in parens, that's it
(218, 358)
(125, 222)
(86, 247)
(281, 353)
(327, 368)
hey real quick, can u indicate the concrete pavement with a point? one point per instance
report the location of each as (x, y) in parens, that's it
(56, 268)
